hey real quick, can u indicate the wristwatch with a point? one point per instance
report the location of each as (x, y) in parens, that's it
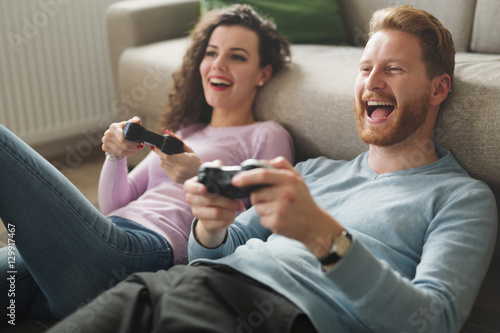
(341, 244)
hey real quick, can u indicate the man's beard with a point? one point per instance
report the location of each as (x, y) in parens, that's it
(406, 120)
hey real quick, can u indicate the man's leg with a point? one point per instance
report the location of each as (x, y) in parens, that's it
(124, 308)
(187, 299)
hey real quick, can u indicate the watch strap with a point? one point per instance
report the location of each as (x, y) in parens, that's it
(333, 256)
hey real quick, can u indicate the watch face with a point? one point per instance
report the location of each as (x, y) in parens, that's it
(342, 244)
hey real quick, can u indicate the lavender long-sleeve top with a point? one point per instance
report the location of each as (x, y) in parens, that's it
(147, 196)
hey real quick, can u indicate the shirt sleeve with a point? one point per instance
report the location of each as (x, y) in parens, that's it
(458, 248)
(246, 226)
(117, 187)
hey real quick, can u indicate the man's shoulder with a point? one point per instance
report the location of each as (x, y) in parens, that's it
(451, 173)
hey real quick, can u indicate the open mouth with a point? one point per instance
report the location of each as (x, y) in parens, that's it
(379, 109)
(220, 82)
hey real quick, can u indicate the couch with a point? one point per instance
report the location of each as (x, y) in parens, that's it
(313, 97)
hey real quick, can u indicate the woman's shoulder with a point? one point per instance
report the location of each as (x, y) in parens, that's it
(270, 126)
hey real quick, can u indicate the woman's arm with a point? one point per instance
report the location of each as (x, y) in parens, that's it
(117, 187)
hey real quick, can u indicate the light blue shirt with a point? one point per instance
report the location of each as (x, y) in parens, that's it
(422, 242)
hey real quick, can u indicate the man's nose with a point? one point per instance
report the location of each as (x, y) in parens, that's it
(375, 81)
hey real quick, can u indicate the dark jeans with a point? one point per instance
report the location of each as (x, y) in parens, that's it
(63, 252)
(188, 299)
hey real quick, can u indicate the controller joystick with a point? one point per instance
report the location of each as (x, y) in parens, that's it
(166, 143)
(218, 178)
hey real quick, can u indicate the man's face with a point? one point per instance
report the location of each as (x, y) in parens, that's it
(392, 90)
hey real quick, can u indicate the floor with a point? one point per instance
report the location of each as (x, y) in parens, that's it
(85, 177)
(485, 317)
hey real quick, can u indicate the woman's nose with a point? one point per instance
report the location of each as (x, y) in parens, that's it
(219, 63)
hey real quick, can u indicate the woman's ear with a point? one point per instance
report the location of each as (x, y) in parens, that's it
(441, 87)
(265, 75)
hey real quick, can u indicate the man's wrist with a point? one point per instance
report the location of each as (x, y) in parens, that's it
(206, 239)
(340, 246)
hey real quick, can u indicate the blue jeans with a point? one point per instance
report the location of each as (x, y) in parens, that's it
(66, 252)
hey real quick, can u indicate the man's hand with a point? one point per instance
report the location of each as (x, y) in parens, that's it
(114, 143)
(287, 207)
(180, 167)
(214, 212)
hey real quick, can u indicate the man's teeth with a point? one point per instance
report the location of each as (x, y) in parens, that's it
(219, 81)
(378, 103)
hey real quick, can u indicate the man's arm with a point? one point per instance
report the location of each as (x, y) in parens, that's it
(214, 213)
(287, 207)
(455, 257)
(215, 233)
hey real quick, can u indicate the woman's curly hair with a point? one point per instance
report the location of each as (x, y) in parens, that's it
(187, 104)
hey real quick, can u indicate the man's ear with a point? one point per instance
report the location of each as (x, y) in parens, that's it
(265, 74)
(441, 87)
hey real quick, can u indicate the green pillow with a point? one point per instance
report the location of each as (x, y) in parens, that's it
(301, 21)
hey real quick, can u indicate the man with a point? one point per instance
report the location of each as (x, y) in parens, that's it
(383, 243)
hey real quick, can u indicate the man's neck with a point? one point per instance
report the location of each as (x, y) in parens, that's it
(402, 156)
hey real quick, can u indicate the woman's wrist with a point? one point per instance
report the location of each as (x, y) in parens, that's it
(112, 158)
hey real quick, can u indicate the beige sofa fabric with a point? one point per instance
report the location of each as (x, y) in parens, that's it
(456, 15)
(469, 121)
(134, 23)
(486, 29)
(145, 75)
(313, 98)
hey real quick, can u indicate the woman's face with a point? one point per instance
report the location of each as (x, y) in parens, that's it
(230, 70)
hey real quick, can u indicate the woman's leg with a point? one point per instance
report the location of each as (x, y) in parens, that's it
(70, 249)
(20, 294)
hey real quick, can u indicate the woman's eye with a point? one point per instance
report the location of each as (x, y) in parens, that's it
(239, 58)
(210, 54)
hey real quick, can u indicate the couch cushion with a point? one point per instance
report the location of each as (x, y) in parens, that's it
(485, 33)
(321, 17)
(470, 118)
(145, 75)
(313, 99)
(456, 15)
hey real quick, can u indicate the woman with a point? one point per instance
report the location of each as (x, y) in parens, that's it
(68, 251)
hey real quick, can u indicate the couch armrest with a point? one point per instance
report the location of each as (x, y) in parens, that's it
(138, 22)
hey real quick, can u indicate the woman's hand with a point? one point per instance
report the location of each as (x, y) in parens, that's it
(114, 143)
(179, 167)
(214, 212)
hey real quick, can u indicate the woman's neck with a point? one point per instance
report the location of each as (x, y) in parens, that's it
(222, 118)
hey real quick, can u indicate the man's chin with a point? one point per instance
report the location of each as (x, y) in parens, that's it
(380, 139)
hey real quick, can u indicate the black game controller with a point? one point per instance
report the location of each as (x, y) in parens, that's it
(168, 144)
(217, 178)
